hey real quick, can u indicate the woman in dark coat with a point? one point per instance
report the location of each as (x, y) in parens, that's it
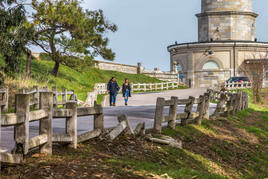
(126, 90)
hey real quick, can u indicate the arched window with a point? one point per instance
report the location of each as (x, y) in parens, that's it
(211, 65)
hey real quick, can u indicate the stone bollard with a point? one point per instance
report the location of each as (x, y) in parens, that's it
(71, 123)
(36, 97)
(21, 131)
(158, 118)
(188, 110)
(99, 117)
(46, 103)
(173, 113)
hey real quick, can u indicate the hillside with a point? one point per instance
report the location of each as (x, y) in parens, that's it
(81, 82)
(233, 147)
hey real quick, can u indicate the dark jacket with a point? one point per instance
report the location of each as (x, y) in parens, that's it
(124, 88)
(113, 87)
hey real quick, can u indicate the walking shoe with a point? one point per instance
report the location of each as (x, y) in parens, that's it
(125, 104)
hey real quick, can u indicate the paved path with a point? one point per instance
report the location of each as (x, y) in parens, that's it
(141, 108)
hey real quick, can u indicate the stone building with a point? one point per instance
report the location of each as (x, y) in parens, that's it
(226, 38)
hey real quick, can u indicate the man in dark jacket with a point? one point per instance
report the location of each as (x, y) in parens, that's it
(113, 89)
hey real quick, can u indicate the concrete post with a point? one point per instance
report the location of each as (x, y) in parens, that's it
(98, 118)
(36, 97)
(64, 97)
(5, 99)
(173, 113)
(139, 68)
(220, 105)
(158, 118)
(206, 107)
(55, 96)
(71, 123)
(188, 110)
(201, 109)
(21, 131)
(46, 103)
(73, 97)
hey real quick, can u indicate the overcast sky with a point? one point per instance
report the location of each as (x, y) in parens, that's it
(147, 27)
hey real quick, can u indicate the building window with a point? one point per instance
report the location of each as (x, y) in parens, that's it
(211, 65)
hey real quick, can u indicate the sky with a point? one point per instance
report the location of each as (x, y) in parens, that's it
(147, 27)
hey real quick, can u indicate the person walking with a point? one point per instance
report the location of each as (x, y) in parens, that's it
(113, 89)
(126, 89)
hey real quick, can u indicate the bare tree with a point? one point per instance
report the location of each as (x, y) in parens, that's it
(254, 68)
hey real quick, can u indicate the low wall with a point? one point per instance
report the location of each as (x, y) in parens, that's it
(131, 69)
(116, 67)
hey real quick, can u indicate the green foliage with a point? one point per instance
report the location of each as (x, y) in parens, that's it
(15, 33)
(81, 82)
(68, 33)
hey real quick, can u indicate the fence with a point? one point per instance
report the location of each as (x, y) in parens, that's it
(154, 86)
(45, 114)
(4, 99)
(237, 85)
(227, 103)
(101, 88)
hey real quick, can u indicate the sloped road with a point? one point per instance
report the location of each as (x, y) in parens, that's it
(141, 108)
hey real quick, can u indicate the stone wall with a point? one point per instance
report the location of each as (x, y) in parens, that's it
(226, 20)
(228, 56)
(156, 73)
(226, 5)
(116, 67)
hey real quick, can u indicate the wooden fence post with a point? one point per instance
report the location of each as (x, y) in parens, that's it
(173, 113)
(207, 104)
(71, 123)
(228, 106)
(46, 103)
(158, 118)
(98, 118)
(36, 97)
(188, 110)
(201, 109)
(64, 97)
(55, 96)
(5, 99)
(162, 86)
(73, 96)
(21, 131)
(220, 105)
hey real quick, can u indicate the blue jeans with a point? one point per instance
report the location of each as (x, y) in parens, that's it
(113, 98)
(126, 96)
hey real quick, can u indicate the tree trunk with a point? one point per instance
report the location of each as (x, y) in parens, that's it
(55, 69)
(28, 64)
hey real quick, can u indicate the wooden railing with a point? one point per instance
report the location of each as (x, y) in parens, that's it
(59, 97)
(227, 103)
(45, 113)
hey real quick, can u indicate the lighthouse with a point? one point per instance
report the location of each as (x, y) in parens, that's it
(226, 39)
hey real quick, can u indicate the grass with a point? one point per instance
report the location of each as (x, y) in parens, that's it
(233, 147)
(80, 82)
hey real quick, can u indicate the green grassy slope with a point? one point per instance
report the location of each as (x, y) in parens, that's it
(81, 82)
